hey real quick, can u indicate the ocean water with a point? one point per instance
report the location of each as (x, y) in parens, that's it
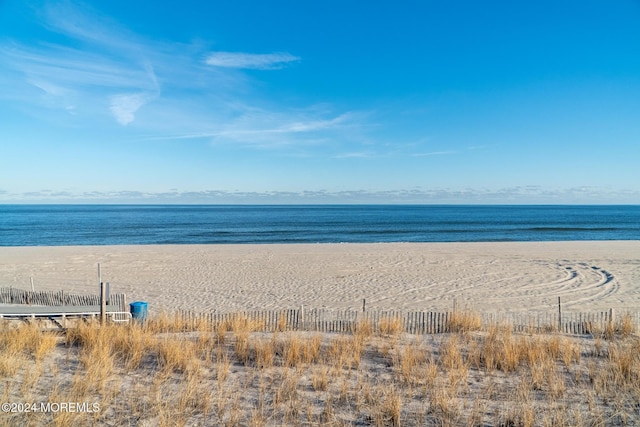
(56, 225)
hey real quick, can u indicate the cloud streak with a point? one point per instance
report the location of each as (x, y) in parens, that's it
(251, 61)
(268, 128)
(271, 129)
(435, 153)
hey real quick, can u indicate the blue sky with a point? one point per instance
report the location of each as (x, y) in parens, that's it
(320, 102)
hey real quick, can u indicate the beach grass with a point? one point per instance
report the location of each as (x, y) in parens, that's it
(168, 373)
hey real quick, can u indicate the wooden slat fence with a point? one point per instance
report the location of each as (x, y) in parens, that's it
(60, 298)
(579, 323)
(347, 321)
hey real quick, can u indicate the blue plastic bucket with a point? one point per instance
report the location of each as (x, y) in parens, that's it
(139, 310)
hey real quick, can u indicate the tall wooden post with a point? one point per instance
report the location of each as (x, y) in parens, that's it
(103, 303)
(559, 316)
(364, 304)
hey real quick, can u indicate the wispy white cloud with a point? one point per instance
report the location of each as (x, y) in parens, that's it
(435, 153)
(262, 128)
(353, 155)
(74, 68)
(48, 87)
(124, 106)
(91, 28)
(256, 61)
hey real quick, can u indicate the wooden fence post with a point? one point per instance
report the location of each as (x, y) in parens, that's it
(103, 303)
(559, 316)
(611, 314)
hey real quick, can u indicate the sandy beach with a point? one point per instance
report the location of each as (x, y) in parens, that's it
(587, 275)
(232, 374)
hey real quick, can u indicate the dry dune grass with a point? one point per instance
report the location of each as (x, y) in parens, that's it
(163, 373)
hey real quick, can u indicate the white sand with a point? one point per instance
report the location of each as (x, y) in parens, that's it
(409, 276)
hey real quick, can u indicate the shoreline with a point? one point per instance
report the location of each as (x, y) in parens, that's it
(481, 276)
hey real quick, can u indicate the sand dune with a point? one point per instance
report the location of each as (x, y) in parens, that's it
(410, 276)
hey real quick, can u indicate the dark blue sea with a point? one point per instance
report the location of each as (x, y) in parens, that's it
(56, 225)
